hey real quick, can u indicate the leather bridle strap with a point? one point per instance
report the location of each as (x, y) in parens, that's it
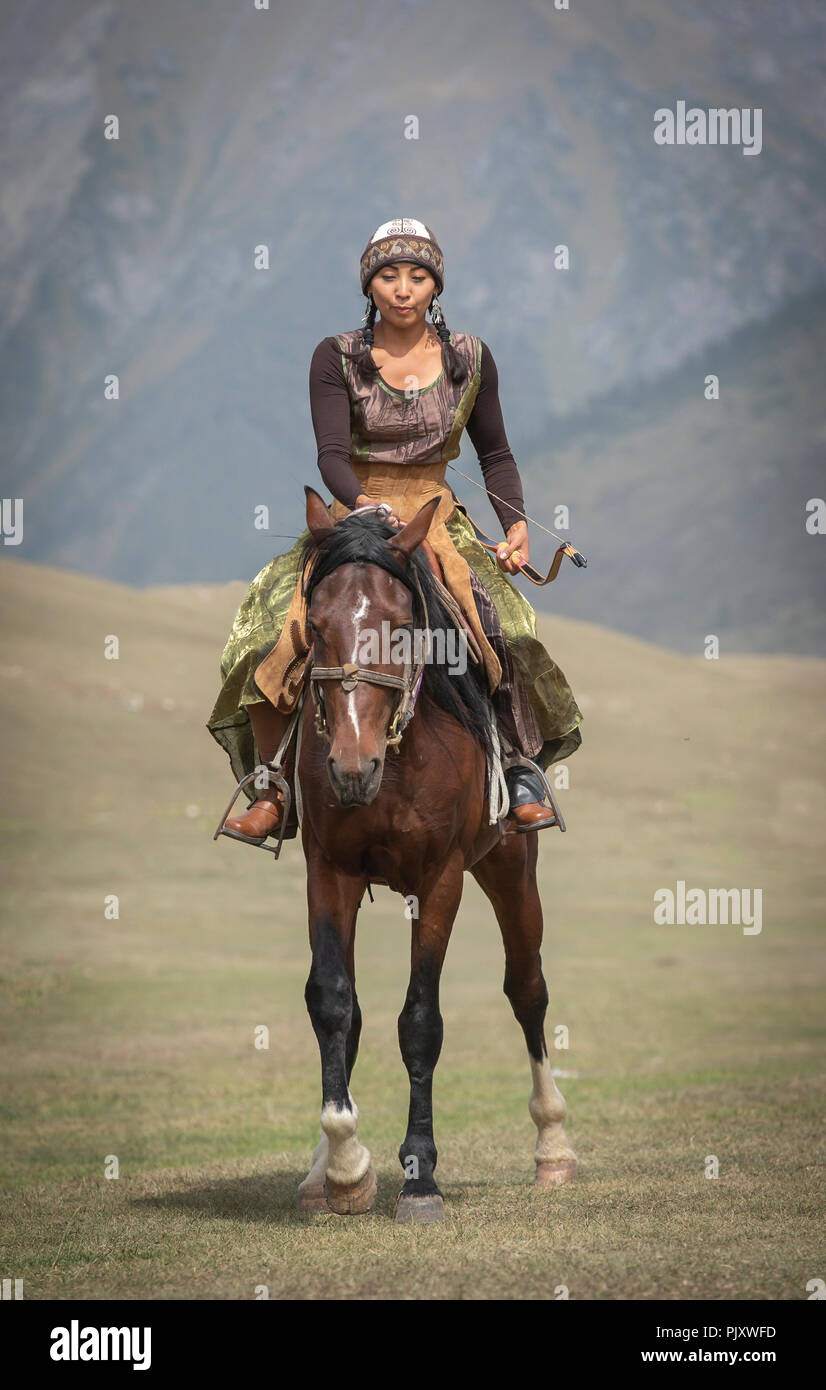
(351, 673)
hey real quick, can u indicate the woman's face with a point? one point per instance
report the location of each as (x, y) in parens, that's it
(402, 292)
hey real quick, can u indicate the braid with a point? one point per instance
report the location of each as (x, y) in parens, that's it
(455, 368)
(365, 366)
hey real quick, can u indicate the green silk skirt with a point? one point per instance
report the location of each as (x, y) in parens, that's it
(261, 617)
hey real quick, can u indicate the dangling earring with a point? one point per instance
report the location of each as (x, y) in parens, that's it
(439, 319)
(365, 316)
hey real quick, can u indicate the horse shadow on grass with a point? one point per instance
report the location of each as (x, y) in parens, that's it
(273, 1198)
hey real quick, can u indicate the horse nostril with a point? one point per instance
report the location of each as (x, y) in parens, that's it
(361, 775)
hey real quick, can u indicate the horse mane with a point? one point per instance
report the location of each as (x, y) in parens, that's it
(361, 539)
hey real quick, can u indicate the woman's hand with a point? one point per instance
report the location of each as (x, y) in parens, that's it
(364, 501)
(513, 553)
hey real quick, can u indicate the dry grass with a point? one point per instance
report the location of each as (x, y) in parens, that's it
(134, 1037)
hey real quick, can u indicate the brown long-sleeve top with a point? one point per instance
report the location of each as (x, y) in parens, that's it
(334, 411)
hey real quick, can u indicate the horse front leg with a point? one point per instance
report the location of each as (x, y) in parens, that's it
(312, 1192)
(420, 1039)
(507, 874)
(342, 1172)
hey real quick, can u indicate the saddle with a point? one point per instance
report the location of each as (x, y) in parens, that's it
(279, 675)
(292, 651)
(451, 604)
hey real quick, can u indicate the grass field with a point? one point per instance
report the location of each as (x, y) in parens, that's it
(134, 1037)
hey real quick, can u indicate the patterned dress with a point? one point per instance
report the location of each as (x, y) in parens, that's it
(399, 446)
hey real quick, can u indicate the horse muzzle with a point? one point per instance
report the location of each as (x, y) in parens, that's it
(355, 785)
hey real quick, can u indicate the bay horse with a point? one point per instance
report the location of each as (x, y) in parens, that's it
(416, 821)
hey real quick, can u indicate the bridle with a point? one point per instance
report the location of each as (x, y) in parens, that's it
(351, 673)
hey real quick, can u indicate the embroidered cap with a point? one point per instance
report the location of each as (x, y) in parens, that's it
(404, 239)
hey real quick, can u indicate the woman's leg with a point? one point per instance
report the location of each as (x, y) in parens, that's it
(263, 816)
(516, 720)
(256, 630)
(268, 727)
(514, 712)
(542, 681)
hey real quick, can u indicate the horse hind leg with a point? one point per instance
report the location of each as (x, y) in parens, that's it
(312, 1192)
(554, 1158)
(508, 877)
(525, 987)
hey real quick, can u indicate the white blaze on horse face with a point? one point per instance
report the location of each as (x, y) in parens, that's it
(360, 611)
(363, 605)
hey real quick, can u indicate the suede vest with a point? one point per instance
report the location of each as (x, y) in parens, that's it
(400, 445)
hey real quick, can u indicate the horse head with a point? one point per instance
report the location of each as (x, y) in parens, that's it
(361, 589)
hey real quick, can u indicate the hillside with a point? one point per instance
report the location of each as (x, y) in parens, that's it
(693, 511)
(675, 748)
(240, 129)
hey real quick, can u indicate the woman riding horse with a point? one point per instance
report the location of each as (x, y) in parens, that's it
(389, 403)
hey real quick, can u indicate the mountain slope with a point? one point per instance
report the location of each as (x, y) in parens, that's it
(242, 128)
(692, 511)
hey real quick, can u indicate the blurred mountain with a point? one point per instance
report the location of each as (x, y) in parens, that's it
(285, 128)
(692, 512)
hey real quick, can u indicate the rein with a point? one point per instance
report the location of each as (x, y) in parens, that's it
(351, 673)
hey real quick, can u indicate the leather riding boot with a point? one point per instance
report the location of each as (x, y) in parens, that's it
(528, 808)
(263, 817)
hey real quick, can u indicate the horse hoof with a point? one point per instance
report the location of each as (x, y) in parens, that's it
(352, 1200)
(312, 1198)
(419, 1210)
(554, 1174)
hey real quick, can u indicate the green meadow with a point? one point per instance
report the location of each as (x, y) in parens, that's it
(133, 1039)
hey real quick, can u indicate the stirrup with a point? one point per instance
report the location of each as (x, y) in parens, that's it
(554, 804)
(282, 786)
(560, 819)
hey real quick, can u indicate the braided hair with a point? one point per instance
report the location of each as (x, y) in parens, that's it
(455, 369)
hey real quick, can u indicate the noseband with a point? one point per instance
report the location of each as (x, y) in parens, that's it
(351, 673)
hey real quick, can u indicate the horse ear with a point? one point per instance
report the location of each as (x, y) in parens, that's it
(318, 517)
(411, 536)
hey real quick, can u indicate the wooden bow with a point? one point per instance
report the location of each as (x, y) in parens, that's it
(529, 571)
